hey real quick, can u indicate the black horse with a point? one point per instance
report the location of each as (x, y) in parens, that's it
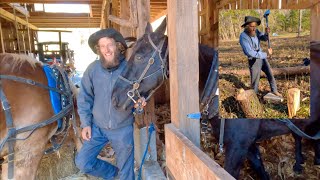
(146, 71)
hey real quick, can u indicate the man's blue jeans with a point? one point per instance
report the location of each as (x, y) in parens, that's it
(122, 143)
(255, 67)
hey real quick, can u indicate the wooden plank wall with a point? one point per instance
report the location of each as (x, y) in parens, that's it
(266, 4)
(186, 161)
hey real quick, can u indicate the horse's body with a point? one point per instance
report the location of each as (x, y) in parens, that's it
(29, 105)
(240, 135)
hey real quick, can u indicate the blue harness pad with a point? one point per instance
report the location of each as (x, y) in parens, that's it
(55, 97)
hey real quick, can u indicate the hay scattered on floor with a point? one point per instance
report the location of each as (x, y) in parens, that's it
(58, 165)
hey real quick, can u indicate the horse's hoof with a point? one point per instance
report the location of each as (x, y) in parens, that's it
(297, 168)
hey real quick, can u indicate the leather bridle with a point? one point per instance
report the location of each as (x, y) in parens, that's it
(134, 91)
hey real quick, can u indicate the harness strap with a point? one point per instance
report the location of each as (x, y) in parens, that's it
(31, 82)
(298, 131)
(221, 135)
(11, 131)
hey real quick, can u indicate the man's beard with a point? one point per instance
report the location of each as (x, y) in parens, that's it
(110, 64)
(251, 33)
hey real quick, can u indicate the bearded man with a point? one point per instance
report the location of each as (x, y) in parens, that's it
(100, 121)
(250, 42)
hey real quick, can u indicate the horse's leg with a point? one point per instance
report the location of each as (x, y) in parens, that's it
(254, 157)
(298, 154)
(317, 152)
(24, 169)
(235, 156)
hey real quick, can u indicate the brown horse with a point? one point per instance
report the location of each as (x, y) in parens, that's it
(29, 105)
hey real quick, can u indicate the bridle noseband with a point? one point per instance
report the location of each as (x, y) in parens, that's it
(136, 84)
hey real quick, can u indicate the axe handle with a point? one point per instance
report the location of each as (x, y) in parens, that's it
(268, 33)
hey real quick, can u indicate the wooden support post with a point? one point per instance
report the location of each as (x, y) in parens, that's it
(187, 161)
(17, 33)
(140, 132)
(184, 67)
(315, 22)
(1, 36)
(315, 63)
(60, 47)
(143, 7)
(105, 7)
(28, 30)
(125, 14)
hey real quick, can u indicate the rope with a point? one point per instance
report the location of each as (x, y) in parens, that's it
(150, 130)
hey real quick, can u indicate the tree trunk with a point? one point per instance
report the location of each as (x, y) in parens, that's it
(293, 101)
(250, 104)
(300, 19)
(298, 70)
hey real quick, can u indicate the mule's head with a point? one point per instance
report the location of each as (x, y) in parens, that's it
(145, 71)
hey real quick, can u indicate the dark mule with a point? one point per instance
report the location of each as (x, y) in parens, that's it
(240, 135)
(29, 105)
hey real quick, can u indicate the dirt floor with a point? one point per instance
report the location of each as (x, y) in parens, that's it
(287, 52)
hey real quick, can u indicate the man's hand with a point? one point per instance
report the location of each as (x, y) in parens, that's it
(267, 30)
(270, 51)
(86, 133)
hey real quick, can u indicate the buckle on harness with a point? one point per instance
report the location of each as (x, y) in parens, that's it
(5, 105)
(29, 81)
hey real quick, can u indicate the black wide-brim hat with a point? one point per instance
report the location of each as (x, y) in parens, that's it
(250, 19)
(110, 33)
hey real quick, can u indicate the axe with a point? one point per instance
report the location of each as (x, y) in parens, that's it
(266, 14)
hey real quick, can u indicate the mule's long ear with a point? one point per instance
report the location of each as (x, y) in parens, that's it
(148, 29)
(163, 26)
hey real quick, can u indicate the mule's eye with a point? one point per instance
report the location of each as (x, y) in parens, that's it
(138, 58)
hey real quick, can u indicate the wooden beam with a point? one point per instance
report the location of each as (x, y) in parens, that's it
(122, 22)
(184, 66)
(10, 17)
(20, 9)
(58, 15)
(187, 161)
(221, 4)
(74, 20)
(53, 1)
(315, 22)
(159, 15)
(306, 4)
(96, 25)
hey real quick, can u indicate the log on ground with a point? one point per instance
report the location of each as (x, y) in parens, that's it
(286, 71)
(250, 104)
